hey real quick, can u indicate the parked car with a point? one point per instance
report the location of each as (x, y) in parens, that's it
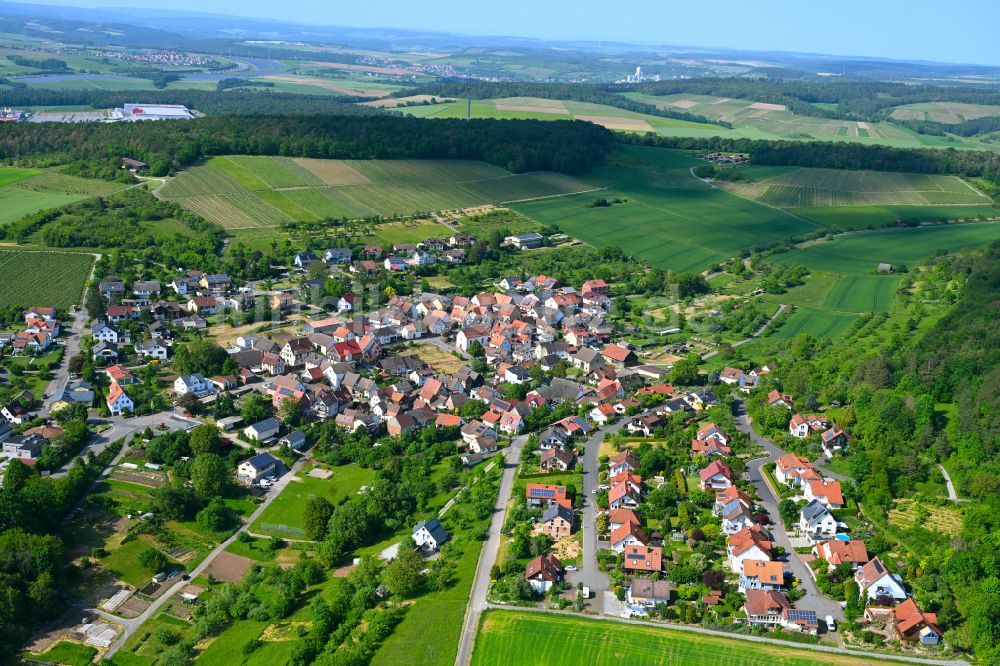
(831, 624)
(571, 568)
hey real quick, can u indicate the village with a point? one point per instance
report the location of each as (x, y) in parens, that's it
(635, 495)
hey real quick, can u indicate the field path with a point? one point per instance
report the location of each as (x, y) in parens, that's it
(952, 495)
(755, 334)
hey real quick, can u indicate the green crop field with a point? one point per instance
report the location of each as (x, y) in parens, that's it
(944, 112)
(669, 218)
(843, 283)
(808, 188)
(55, 279)
(759, 120)
(27, 191)
(526, 638)
(860, 253)
(244, 192)
(537, 108)
(847, 218)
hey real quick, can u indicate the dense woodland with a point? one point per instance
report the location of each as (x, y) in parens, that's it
(518, 145)
(892, 397)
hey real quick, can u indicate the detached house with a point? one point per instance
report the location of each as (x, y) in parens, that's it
(716, 476)
(557, 521)
(649, 593)
(118, 401)
(429, 535)
(876, 582)
(778, 399)
(257, 467)
(620, 356)
(747, 544)
(816, 522)
(762, 575)
(625, 461)
(543, 572)
(837, 552)
(826, 491)
(764, 608)
(194, 383)
(628, 534)
(643, 558)
(104, 332)
(907, 623)
(295, 350)
(545, 495)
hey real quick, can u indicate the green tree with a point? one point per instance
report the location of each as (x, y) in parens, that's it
(402, 576)
(254, 408)
(204, 439)
(216, 516)
(152, 559)
(209, 476)
(317, 517)
(684, 373)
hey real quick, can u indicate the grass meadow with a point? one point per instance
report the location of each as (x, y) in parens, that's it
(527, 639)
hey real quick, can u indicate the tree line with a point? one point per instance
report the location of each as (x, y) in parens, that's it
(840, 155)
(516, 145)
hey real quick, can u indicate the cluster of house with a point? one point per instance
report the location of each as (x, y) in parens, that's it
(41, 327)
(26, 446)
(400, 257)
(832, 438)
(746, 381)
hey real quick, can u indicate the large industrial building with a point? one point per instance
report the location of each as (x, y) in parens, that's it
(152, 112)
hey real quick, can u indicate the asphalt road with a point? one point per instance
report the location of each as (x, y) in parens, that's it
(487, 556)
(812, 600)
(71, 343)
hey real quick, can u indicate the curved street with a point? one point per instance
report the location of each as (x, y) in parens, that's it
(812, 600)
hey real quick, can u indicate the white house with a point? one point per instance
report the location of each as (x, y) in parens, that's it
(263, 431)
(104, 332)
(118, 401)
(876, 581)
(257, 467)
(152, 349)
(193, 383)
(747, 544)
(816, 522)
(472, 334)
(429, 535)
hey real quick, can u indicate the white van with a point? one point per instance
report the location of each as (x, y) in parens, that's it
(831, 624)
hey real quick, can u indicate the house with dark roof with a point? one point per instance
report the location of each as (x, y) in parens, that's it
(429, 534)
(257, 467)
(544, 571)
(557, 521)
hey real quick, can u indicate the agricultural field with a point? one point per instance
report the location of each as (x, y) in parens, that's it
(537, 108)
(27, 191)
(243, 192)
(847, 218)
(843, 283)
(944, 112)
(938, 519)
(809, 188)
(761, 120)
(522, 637)
(667, 217)
(43, 278)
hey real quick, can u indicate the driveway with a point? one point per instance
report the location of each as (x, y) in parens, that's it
(487, 556)
(812, 600)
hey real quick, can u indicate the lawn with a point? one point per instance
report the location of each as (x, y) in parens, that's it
(668, 218)
(55, 279)
(284, 516)
(70, 654)
(525, 638)
(123, 562)
(246, 192)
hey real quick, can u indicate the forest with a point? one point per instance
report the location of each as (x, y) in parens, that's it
(516, 145)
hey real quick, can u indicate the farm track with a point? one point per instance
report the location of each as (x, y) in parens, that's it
(846, 291)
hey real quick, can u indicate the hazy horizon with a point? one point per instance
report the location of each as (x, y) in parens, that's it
(919, 30)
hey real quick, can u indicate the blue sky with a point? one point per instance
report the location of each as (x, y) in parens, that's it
(961, 31)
